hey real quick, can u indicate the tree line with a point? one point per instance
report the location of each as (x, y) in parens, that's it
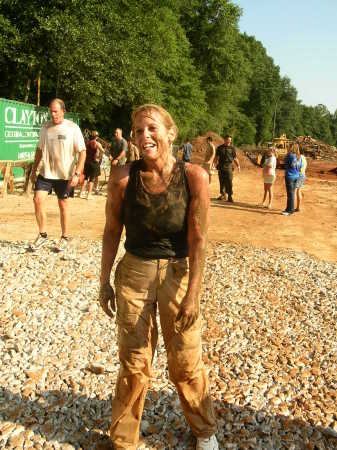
(106, 57)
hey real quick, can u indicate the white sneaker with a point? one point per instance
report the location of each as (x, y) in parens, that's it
(39, 242)
(207, 443)
(62, 244)
(82, 195)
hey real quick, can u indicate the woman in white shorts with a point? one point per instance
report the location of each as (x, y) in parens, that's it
(269, 177)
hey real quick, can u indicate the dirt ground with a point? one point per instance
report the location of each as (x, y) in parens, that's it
(313, 230)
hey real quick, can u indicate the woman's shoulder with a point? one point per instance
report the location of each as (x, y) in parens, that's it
(197, 177)
(119, 176)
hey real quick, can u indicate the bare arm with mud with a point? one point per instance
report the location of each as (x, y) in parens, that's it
(198, 220)
(112, 234)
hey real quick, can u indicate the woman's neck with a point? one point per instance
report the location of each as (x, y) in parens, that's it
(161, 166)
(157, 174)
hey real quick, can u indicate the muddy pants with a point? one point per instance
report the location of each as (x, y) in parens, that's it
(142, 286)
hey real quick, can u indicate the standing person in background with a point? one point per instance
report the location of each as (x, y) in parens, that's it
(175, 150)
(209, 157)
(225, 155)
(292, 167)
(187, 151)
(132, 153)
(269, 176)
(92, 165)
(164, 206)
(302, 161)
(61, 152)
(118, 149)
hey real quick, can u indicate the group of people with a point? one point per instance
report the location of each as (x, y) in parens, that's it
(295, 165)
(163, 203)
(164, 206)
(120, 152)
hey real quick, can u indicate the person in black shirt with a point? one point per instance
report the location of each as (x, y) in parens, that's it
(224, 157)
(164, 206)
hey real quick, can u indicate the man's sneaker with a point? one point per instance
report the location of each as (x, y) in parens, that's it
(39, 242)
(62, 244)
(221, 197)
(82, 195)
(207, 443)
(286, 213)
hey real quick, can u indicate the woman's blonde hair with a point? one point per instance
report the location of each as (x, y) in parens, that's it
(165, 116)
(295, 148)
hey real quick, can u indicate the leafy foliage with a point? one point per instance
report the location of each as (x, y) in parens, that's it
(106, 57)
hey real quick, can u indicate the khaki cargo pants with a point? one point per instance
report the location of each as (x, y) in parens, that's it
(142, 286)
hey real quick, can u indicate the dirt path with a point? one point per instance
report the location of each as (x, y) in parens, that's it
(313, 230)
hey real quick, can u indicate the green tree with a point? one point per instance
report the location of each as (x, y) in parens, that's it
(212, 30)
(264, 88)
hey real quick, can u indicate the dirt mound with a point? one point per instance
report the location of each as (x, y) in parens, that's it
(325, 170)
(199, 148)
(245, 162)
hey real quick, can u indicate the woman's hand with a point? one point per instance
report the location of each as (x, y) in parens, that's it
(106, 299)
(187, 315)
(33, 177)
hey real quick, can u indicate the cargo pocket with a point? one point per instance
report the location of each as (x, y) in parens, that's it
(180, 268)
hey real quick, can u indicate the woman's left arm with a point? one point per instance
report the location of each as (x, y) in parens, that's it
(198, 219)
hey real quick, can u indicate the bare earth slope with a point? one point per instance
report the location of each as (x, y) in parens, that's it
(313, 230)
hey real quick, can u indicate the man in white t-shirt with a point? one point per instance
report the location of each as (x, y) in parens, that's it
(61, 155)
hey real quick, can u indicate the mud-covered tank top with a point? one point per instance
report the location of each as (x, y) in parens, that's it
(156, 224)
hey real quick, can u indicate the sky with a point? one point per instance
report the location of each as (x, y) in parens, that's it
(301, 37)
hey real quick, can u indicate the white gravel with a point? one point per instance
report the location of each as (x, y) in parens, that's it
(269, 343)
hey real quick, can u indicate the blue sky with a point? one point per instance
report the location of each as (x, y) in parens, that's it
(301, 37)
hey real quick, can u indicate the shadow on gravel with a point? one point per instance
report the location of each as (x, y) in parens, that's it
(70, 418)
(242, 207)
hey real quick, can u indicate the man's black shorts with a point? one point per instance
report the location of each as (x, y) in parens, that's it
(60, 187)
(92, 170)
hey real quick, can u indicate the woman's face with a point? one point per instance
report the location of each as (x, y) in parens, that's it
(152, 137)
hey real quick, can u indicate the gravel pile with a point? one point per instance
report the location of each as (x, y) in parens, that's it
(270, 327)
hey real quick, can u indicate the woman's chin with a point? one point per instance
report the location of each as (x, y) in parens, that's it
(150, 155)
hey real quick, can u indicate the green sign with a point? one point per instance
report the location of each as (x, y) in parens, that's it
(20, 125)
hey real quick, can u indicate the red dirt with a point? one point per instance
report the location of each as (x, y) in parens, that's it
(313, 230)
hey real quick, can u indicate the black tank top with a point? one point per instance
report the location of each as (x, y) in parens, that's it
(156, 224)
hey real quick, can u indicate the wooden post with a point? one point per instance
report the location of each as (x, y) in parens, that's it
(7, 172)
(38, 87)
(27, 90)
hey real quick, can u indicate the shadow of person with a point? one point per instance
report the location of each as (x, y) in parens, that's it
(241, 206)
(66, 417)
(244, 427)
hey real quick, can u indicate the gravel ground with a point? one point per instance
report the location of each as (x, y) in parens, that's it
(269, 344)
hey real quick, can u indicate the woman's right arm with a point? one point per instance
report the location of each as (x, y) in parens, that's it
(112, 234)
